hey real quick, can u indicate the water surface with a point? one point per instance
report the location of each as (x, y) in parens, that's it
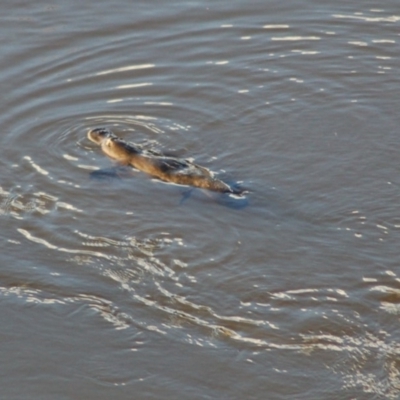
(117, 287)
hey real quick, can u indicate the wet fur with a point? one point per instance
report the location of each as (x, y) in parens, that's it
(168, 169)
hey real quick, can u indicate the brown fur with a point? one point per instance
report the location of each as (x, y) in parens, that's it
(168, 169)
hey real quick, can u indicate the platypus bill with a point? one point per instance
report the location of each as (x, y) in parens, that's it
(168, 169)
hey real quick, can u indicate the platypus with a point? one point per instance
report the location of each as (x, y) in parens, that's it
(167, 169)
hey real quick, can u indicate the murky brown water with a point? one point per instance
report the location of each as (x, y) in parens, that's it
(118, 288)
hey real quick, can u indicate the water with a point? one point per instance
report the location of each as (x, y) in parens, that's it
(117, 288)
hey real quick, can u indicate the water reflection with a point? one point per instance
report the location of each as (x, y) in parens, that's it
(124, 69)
(299, 288)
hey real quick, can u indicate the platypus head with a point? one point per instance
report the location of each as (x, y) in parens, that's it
(112, 145)
(97, 135)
